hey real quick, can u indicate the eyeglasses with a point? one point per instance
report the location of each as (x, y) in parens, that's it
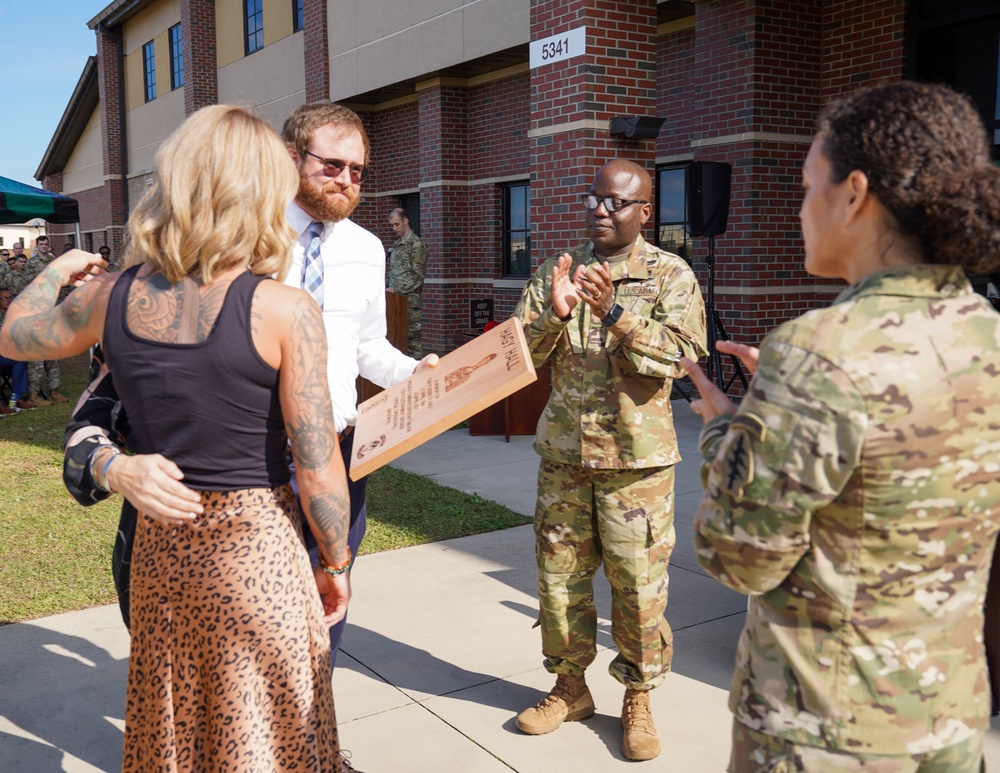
(6, 298)
(332, 167)
(611, 204)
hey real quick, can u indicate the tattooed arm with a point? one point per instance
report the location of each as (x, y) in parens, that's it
(36, 329)
(294, 320)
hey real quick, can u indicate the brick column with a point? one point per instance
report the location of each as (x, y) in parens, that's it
(57, 232)
(201, 64)
(572, 102)
(111, 88)
(317, 49)
(444, 213)
(762, 71)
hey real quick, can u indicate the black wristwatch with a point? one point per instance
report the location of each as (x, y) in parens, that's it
(613, 315)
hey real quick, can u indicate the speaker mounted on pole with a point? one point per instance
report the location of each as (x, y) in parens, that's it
(706, 189)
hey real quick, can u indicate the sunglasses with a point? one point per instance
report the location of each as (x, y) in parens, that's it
(332, 167)
(592, 202)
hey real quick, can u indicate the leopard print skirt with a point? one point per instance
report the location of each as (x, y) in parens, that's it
(230, 659)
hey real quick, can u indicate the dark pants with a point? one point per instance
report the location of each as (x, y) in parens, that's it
(18, 375)
(354, 535)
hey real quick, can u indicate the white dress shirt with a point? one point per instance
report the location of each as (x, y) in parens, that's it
(353, 310)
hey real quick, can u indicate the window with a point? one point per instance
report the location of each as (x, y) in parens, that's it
(149, 70)
(411, 203)
(176, 57)
(254, 24)
(958, 43)
(671, 211)
(516, 231)
(298, 22)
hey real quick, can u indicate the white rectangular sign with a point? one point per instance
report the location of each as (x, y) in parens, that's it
(555, 48)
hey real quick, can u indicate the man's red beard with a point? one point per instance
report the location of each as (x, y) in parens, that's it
(314, 201)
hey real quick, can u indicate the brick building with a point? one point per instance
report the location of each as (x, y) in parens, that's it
(489, 140)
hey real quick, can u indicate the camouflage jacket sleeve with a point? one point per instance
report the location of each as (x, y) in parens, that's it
(411, 267)
(652, 340)
(542, 328)
(789, 450)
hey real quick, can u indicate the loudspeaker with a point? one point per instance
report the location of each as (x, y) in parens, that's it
(636, 127)
(706, 188)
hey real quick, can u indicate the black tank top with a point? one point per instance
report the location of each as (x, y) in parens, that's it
(211, 407)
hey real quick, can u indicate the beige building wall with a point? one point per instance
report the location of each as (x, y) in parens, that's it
(149, 123)
(147, 127)
(150, 24)
(230, 28)
(26, 234)
(84, 168)
(271, 80)
(229, 31)
(374, 43)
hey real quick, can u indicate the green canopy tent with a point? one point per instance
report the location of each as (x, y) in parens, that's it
(19, 203)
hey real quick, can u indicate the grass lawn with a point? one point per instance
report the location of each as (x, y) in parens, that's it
(55, 556)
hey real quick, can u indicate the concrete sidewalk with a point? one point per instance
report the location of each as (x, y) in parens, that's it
(439, 653)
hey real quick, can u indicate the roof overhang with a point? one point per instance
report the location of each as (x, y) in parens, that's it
(118, 12)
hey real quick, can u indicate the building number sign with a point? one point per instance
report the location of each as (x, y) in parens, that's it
(555, 48)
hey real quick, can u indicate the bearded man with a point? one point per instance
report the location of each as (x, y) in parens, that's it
(343, 266)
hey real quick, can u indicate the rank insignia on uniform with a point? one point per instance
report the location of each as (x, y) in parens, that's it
(737, 461)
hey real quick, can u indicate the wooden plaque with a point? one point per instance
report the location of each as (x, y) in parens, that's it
(474, 376)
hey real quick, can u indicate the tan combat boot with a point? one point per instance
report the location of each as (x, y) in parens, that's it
(639, 739)
(569, 701)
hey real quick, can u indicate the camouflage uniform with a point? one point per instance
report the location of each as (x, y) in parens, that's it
(856, 496)
(37, 264)
(406, 277)
(47, 371)
(18, 280)
(607, 442)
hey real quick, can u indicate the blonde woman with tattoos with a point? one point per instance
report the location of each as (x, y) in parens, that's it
(218, 366)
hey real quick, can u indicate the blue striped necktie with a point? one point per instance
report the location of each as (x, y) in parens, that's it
(312, 267)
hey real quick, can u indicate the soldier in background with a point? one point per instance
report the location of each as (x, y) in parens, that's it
(105, 252)
(615, 316)
(407, 268)
(44, 378)
(855, 494)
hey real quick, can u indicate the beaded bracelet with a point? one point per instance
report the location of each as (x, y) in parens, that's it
(107, 465)
(334, 571)
(93, 470)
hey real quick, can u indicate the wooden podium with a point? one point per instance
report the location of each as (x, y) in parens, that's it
(517, 414)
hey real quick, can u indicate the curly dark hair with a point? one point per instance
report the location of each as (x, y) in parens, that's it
(928, 161)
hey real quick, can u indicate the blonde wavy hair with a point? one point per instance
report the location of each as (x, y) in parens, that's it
(223, 180)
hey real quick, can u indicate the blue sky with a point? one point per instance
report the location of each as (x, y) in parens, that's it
(46, 44)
